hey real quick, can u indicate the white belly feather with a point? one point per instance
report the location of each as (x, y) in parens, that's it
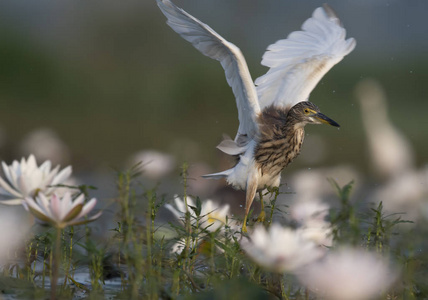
(237, 176)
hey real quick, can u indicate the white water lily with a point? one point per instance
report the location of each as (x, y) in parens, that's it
(61, 212)
(306, 212)
(310, 217)
(26, 179)
(280, 249)
(213, 216)
(322, 234)
(349, 274)
(13, 234)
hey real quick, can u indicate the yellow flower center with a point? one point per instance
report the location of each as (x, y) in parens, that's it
(213, 217)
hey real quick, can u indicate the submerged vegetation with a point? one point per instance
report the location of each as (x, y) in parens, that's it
(309, 251)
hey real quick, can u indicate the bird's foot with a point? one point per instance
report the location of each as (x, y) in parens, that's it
(244, 224)
(261, 218)
(244, 228)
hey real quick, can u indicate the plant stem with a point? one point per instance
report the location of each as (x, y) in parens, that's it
(56, 263)
(149, 273)
(212, 246)
(29, 271)
(186, 264)
(67, 270)
(272, 205)
(283, 292)
(35, 261)
(44, 264)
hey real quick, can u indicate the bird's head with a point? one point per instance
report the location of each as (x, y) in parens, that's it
(308, 113)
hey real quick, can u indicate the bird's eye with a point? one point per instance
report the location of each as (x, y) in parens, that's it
(306, 111)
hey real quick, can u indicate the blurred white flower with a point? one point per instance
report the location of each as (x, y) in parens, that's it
(26, 179)
(61, 212)
(178, 247)
(349, 274)
(310, 216)
(45, 144)
(313, 184)
(305, 212)
(155, 164)
(405, 192)
(212, 215)
(12, 235)
(320, 233)
(280, 249)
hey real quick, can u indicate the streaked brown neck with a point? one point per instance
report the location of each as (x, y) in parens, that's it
(279, 141)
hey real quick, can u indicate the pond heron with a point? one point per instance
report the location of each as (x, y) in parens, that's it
(274, 109)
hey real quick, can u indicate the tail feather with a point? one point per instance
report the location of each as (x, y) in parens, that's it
(230, 147)
(219, 175)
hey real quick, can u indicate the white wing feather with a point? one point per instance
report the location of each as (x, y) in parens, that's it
(299, 62)
(211, 44)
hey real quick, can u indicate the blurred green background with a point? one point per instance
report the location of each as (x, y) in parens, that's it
(111, 78)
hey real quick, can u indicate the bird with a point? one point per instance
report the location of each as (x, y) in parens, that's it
(274, 109)
(390, 151)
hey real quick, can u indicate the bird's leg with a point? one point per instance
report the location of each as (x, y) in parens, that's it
(262, 215)
(252, 183)
(244, 225)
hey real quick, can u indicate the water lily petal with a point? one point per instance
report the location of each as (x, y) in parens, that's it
(14, 174)
(73, 213)
(44, 204)
(12, 201)
(66, 204)
(56, 208)
(87, 208)
(62, 176)
(9, 189)
(93, 218)
(175, 212)
(48, 179)
(32, 206)
(181, 206)
(46, 166)
(24, 187)
(79, 200)
(6, 171)
(28, 201)
(22, 163)
(41, 216)
(31, 162)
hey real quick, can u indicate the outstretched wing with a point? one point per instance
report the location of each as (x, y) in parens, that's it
(299, 62)
(211, 44)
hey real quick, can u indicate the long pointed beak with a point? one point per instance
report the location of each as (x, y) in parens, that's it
(326, 120)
